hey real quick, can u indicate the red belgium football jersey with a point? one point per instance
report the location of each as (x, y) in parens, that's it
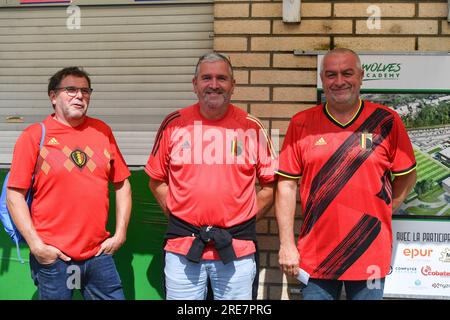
(211, 168)
(345, 188)
(70, 201)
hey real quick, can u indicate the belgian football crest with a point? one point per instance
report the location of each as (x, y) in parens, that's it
(236, 147)
(78, 157)
(366, 140)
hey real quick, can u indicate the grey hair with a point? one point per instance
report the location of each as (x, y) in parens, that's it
(212, 57)
(341, 51)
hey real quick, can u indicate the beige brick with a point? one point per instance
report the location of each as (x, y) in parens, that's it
(291, 61)
(267, 10)
(433, 9)
(281, 125)
(314, 27)
(273, 260)
(262, 226)
(376, 43)
(277, 292)
(273, 227)
(230, 43)
(241, 76)
(235, 10)
(272, 275)
(282, 77)
(251, 93)
(387, 9)
(250, 59)
(266, 124)
(308, 10)
(294, 94)
(289, 43)
(434, 44)
(242, 106)
(263, 259)
(268, 242)
(241, 26)
(445, 27)
(265, 110)
(399, 27)
(271, 212)
(276, 276)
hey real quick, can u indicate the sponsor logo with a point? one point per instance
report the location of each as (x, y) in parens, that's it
(381, 71)
(320, 142)
(390, 270)
(53, 141)
(417, 253)
(236, 147)
(405, 269)
(427, 271)
(438, 285)
(445, 255)
(186, 145)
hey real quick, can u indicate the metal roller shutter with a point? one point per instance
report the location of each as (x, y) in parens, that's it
(141, 60)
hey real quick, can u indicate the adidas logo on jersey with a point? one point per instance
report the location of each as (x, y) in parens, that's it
(320, 142)
(186, 145)
(53, 141)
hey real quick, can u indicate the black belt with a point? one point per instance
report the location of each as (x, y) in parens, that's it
(222, 237)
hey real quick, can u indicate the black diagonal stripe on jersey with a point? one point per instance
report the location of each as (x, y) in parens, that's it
(385, 193)
(342, 165)
(163, 126)
(357, 241)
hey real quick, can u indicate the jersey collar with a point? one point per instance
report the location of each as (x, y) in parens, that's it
(349, 123)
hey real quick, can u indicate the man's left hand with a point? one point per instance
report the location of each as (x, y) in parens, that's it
(110, 246)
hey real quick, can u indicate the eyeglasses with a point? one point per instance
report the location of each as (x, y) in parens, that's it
(73, 91)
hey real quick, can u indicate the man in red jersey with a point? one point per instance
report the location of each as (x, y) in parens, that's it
(203, 169)
(70, 247)
(345, 153)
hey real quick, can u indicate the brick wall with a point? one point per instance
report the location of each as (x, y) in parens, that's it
(273, 84)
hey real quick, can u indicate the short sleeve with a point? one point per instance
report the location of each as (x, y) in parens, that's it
(290, 156)
(25, 155)
(119, 170)
(158, 161)
(267, 159)
(401, 153)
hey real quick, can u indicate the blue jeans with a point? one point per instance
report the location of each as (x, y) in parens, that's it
(97, 278)
(186, 280)
(321, 289)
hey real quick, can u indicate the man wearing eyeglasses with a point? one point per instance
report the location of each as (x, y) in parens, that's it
(70, 247)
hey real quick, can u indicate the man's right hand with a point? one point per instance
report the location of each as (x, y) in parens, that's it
(289, 258)
(46, 254)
